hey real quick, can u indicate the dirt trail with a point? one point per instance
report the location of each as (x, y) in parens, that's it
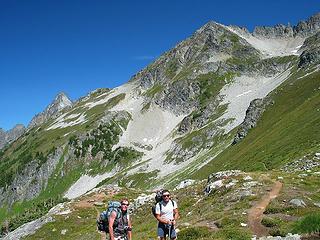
(88, 201)
(256, 212)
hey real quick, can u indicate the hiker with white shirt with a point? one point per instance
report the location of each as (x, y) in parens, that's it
(166, 212)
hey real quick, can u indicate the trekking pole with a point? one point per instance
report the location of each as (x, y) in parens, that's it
(169, 235)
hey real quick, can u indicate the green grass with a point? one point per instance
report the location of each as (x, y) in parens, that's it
(287, 130)
(25, 214)
(80, 225)
(171, 68)
(151, 92)
(309, 224)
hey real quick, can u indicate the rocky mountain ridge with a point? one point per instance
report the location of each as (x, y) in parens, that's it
(6, 137)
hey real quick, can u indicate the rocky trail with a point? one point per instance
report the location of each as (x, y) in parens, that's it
(255, 214)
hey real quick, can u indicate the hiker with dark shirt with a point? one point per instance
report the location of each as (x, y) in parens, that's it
(166, 213)
(120, 223)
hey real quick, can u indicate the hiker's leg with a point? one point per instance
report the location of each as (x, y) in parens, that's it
(173, 234)
(161, 232)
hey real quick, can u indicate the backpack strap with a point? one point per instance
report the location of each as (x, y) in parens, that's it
(160, 206)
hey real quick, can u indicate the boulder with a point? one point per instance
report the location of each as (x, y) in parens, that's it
(297, 202)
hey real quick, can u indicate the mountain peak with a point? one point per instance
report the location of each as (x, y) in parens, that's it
(309, 27)
(60, 102)
(211, 25)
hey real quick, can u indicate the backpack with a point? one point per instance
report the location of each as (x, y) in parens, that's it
(103, 221)
(158, 199)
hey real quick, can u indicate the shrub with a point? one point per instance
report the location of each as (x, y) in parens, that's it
(270, 222)
(309, 224)
(193, 233)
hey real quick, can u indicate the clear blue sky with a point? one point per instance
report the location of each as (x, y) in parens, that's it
(76, 46)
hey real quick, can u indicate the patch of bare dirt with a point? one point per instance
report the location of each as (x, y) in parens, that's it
(88, 201)
(255, 214)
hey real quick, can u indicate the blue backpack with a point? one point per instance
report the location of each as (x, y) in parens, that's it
(103, 221)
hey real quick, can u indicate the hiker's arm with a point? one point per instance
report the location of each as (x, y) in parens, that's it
(175, 214)
(162, 220)
(130, 226)
(112, 217)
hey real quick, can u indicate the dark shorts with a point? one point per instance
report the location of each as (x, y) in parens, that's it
(163, 230)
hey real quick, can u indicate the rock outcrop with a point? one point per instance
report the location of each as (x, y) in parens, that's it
(60, 102)
(31, 181)
(311, 52)
(302, 29)
(11, 135)
(253, 114)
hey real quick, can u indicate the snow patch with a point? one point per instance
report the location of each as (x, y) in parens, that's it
(242, 91)
(271, 47)
(114, 92)
(85, 183)
(64, 121)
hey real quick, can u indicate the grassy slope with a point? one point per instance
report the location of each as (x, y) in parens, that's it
(288, 129)
(198, 212)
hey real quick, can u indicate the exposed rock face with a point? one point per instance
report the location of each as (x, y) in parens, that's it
(309, 27)
(311, 54)
(11, 135)
(253, 114)
(179, 97)
(305, 163)
(31, 181)
(303, 29)
(53, 110)
(2, 138)
(278, 31)
(177, 69)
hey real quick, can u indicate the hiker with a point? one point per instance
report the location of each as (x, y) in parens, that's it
(120, 227)
(166, 213)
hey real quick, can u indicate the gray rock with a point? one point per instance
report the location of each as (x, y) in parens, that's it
(309, 27)
(11, 135)
(60, 102)
(31, 181)
(302, 29)
(98, 204)
(247, 178)
(311, 52)
(306, 163)
(289, 236)
(185, 183)
(213, 186)
(28, 228)
(223, 174)
(278, 31)
(253, 114)
(297, 202)
(317, 204)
